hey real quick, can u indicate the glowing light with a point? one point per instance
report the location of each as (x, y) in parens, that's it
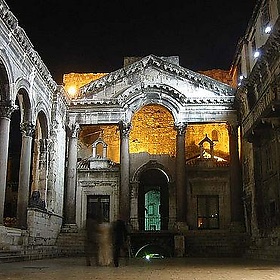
(268, 29)
(72, 90)
(241, 77)
(256, 54)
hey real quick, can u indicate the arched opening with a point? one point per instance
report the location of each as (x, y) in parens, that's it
(4, 83)
(153, 131)
(40, 163)
(153, 200)
(11, 195)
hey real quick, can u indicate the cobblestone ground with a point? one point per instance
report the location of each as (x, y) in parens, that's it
(167, 269)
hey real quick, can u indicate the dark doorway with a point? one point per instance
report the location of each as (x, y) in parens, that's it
(153, 200)
(98, 208)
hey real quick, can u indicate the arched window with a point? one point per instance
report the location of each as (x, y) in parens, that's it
(215, 135)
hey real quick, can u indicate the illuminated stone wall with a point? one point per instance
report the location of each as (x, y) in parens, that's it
(153, 132)
(197, 132)
(109, 133)
(73, 81)
(219, 75)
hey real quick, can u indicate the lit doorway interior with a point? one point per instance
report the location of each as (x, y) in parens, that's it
(152, 210)
(153, 201)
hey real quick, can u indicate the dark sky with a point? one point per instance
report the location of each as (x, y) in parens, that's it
(95, 35)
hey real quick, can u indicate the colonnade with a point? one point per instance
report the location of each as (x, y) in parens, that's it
(181, 179)
(27, 130)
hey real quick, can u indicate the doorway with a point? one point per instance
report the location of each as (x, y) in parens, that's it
(98, 208)
(153, 200)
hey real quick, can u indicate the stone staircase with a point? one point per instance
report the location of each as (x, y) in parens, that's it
(71, 241)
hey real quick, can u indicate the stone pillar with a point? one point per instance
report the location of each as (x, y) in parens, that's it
(124, 163)
(27, 130)
(71, 180)
(43, 169)
(235, 176)
(181, 188)
(6, 109)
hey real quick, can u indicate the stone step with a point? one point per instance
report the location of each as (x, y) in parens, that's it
(11, 256)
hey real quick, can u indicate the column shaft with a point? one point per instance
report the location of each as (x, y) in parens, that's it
(124, 163)
(181, 174)
(24, 174)
(4, 145)
(6, 109)
(70, 201)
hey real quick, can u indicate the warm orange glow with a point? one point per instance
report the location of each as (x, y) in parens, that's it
(72, 90)
(153, 131)
(217, 132)
(109, 133)
(73, 81)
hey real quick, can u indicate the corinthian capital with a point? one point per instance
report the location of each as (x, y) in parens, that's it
(27, 129)
(181, 128)
(74, 129)
(125, 128)
(7, 108)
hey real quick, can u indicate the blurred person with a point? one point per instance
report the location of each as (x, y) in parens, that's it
(120, 240)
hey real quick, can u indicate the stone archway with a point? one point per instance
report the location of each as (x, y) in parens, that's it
(40, 163)
(153, 200)
(18, 171)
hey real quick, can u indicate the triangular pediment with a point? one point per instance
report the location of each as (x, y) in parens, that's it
(155, 74)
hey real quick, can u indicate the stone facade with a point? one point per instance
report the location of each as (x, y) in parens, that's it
(152, 143)
(257, 68)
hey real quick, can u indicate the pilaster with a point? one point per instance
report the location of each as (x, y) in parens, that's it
(236, 186)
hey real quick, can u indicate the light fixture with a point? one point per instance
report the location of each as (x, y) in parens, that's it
(256, 54)
(268, 29)
(72, 91)
(241, 77)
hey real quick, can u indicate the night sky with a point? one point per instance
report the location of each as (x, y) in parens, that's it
(95, 35)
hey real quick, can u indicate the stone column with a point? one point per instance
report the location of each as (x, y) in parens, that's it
(71, 180)
(181, 188)
(27, 130)
(124, 163)
(43, 169)
(235, 176)
(6, 109)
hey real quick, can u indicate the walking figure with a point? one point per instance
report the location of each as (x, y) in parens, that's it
(120, 241)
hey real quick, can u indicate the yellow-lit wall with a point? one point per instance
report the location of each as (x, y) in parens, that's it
(153, 132)
(77, 80)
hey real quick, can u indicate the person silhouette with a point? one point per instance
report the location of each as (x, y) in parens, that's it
(120, 240)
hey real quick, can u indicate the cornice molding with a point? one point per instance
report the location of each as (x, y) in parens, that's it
(199, 80)
(22, 39)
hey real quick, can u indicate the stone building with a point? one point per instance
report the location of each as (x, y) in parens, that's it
(179, 155)
(257, 70)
